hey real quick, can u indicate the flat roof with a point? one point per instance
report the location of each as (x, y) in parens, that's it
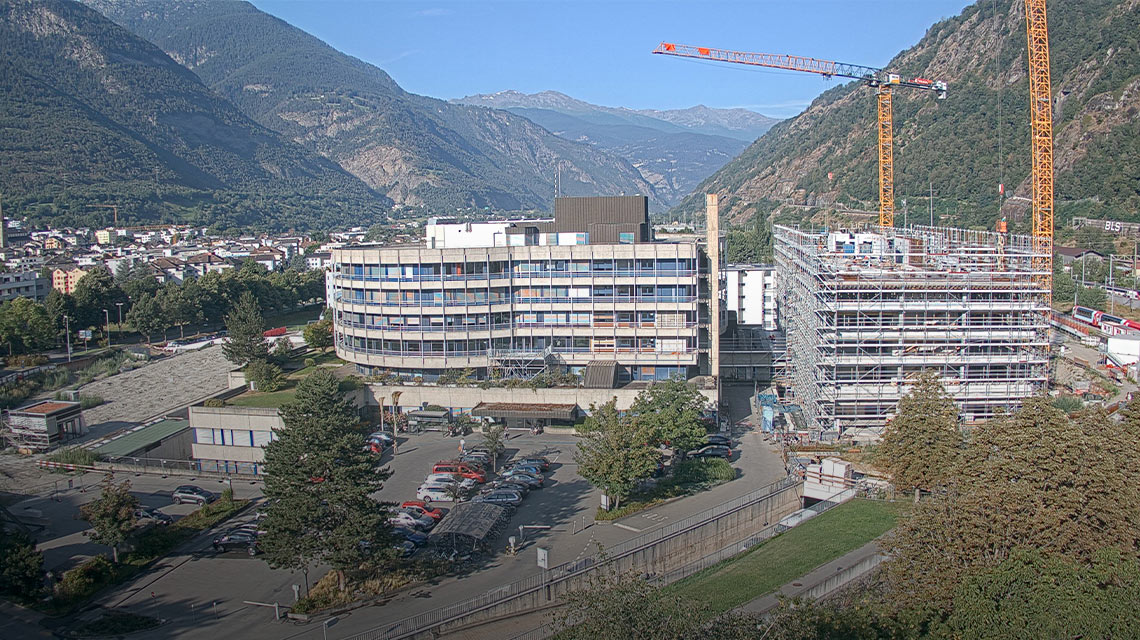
(47, 407)
(132, 441)
(526, 410)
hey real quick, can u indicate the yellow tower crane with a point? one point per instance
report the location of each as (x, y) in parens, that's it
(1041, 134)
(884, 83)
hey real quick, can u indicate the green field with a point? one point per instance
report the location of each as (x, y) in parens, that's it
(770, 565)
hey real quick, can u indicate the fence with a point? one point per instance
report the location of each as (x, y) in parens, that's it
(436, 617)
(830, 585)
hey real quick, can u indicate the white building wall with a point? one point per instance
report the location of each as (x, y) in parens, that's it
(467, 234)
(750, 291)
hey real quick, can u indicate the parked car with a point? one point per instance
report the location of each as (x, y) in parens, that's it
(191, 493)
(411, 535)
(434, 493)
(460, 468)
(533, 481)
(405, 548)
(537, 461)
(147, 515)
(483, 456)
(501, 496)
(423, 509)
(383, 436)
(405, 518)
(400, 519)
(711, 451)
(512, 484)
(238, 539)
(449, 478)
(532, 469)
(478, 462)
(251, 527)
(716, 438)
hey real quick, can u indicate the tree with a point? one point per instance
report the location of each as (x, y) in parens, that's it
(21, 566)
(318, 481)
(265, 376)
(246, 328)
(1034, 595)
(25, 326)
(112, 514)
(297, 263)
(671, 411)
(920, 445)
(319, 334)
(1033, 479)
(493, 438)
(147, 316)
(93, 293)
(625, 606)
(57, 306)
(178, 306)
(616, 452)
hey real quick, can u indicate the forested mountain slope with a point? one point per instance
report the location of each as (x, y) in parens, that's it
(977, 137)
(92, 114)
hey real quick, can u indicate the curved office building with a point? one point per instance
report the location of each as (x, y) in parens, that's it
(537, 295)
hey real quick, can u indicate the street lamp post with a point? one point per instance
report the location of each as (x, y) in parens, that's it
(107, 317)
(67, 332)
(120, 306)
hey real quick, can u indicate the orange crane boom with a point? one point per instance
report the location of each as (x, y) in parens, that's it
(1041, 134)
(883, 81)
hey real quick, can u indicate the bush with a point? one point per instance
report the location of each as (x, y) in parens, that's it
(83, 581)
(694, 472)
(214, 403)
(26, 360)
(74, 455)
(90, 401)
(56, 379)
(309, 362)
(21, 566)
(265, 376)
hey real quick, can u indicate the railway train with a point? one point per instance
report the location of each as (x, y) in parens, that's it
(1103, 320)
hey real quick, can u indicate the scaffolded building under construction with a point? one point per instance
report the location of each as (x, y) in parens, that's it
(866, 311)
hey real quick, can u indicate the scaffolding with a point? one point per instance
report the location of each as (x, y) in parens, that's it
(867, 311)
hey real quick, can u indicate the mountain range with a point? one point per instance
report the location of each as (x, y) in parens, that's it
(417, 151)
(91, 114)
(674, 150)
(963, 147)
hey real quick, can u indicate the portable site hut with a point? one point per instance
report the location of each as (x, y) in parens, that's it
(44, 425)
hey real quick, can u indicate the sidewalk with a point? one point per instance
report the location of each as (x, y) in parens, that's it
(803, 585)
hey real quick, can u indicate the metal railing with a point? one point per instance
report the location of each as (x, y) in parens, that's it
(430, 619)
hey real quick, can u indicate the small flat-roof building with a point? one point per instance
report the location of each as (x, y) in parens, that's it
(44, 425)
(525, 415)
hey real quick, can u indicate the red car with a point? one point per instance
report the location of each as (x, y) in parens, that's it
(419, 506)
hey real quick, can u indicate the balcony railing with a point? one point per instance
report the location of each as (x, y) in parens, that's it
(490, 352)
(454, 277)
(339, 297)
(518, 325)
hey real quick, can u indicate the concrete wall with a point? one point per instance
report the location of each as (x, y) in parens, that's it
(685, 546)
(413, 397)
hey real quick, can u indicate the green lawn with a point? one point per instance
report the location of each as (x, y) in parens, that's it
(769, 566)
(272, 400)
(295, 319)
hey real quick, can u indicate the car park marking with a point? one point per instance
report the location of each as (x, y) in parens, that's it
(627, 527)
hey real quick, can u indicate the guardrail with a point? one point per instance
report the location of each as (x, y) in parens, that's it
(436, 617)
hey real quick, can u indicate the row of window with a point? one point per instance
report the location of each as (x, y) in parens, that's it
(624, 374)
(502, 268)
(234, 437)
(522, 295)
(528, 318)
(483, 346)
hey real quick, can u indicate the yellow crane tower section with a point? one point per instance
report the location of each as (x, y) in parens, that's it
(884, 82)
(1041, 133)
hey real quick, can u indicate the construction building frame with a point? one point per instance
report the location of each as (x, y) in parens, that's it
(866, 311)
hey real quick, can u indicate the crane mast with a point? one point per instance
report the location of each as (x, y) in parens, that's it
(883, 81)
(1041, 134)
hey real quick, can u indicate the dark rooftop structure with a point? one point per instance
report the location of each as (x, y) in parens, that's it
(606, 220)
(470, 525)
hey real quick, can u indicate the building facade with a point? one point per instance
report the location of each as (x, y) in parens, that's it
(418, 312)
(25, 284)
(64, 280)
(750, 291)
(866, 312)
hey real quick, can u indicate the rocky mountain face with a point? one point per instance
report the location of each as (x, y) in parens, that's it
(673, 150)
(418, 151)
(92, 114)
(975, 139)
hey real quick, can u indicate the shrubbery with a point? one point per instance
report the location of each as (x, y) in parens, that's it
(83, 581)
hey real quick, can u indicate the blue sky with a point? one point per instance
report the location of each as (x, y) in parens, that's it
(598, 51)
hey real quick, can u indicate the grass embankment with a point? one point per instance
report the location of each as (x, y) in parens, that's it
(689, 477)
(80, 584)
(794, 553)
(274, 399)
